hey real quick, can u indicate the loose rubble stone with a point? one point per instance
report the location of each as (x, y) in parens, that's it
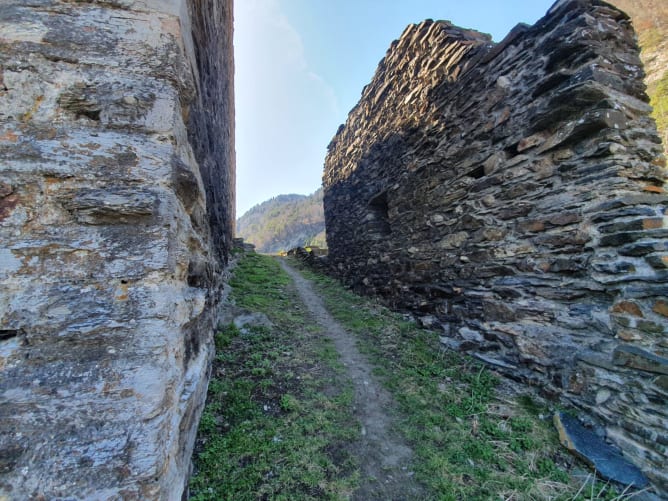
(607, 461)
(513, 190)
(253, 320)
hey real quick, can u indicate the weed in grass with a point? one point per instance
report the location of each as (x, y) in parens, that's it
(224, 336)
(289, 403)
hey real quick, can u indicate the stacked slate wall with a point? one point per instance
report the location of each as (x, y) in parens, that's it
(513, 196)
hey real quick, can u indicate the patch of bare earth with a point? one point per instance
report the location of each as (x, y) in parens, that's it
(384, 458)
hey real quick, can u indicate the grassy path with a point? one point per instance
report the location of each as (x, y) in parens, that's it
(382, 454)
(325, 395)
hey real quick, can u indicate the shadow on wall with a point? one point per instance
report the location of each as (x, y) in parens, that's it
(514, 195)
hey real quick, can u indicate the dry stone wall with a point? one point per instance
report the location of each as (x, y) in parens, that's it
(513, 194)
(116, 196)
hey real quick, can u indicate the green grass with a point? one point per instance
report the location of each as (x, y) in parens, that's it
(278, 422)
(471, 442)
(278, 414)
(658, 92)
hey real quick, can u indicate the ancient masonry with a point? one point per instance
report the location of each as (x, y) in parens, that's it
(116, 213)
(513, 194)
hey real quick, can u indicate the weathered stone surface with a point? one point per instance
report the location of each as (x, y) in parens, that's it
(606, 461)
(514, 191)
(115, 221)
(632, 356)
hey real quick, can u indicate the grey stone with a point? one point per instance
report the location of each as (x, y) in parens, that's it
(470, 334)
(252, 319)
(524, 202)
(112, 205)
(598, 454)
(633, 356)
(116, 215)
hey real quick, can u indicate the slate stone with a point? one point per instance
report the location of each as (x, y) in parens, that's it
(632, 356)
(530, 185)
(607, 461)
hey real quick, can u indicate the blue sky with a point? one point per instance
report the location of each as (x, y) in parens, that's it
(301, 66)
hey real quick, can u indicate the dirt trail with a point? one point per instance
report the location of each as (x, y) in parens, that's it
(383, 456)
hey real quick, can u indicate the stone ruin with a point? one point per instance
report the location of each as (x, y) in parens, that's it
(116, 218)
(513, 195)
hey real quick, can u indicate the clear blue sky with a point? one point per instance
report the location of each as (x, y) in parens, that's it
(301, 66)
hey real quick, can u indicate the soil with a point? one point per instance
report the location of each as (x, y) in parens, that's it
(384, 458)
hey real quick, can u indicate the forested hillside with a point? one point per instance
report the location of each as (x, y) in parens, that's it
(650, 20)
(284, 222)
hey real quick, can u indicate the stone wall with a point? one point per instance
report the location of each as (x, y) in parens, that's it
(116, 213)
(513, 194)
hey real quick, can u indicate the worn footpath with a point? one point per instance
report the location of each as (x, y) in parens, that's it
(316, 393)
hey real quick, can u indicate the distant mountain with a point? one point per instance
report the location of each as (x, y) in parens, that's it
(284, 222)
(650, 20)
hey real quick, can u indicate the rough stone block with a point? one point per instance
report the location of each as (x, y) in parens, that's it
(605, 460)
(113, 248)
(632, 356)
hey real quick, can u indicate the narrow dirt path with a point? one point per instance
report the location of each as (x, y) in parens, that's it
(384, 457)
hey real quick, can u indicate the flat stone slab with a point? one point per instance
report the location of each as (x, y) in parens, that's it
(252, 319)
(597, 453)
(632, 356)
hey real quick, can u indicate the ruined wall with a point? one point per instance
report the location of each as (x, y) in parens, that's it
(116, 196)
(514, 195)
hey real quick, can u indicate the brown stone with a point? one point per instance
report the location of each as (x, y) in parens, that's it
(9, 136)
(493, 234)
(530, 142)
(650, 224)
(534, 226)
(659, 161)
(5, 189)
(654, 189)
(543, 169)
(7, 205)
(628, 307)
(628, 335)
(661, 307)
(565, 218)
